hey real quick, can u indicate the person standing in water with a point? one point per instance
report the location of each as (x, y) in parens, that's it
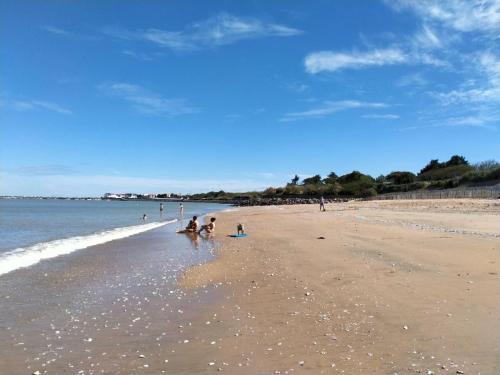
(161, 209)
(181, 210)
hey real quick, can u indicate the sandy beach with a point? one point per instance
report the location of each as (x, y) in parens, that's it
(395, 287)
(382, 287)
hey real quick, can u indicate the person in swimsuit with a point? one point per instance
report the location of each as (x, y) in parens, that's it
(209, 228)
(161, 209)
(192, 226)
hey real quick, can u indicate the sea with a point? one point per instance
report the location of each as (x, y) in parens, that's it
(33, 230)
(85, 283)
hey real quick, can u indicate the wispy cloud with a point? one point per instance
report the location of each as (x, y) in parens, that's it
(68, 34)
(454, 122)
(427, 38)
(331, 61)
(57, 30)
(486, 91)
(33, 105)
(413, 79)
(146, 101)
(137, 55)
(219, 30)
(388, 116)
(472, 121)
(461, 15)
(330, 107)
(475, 101)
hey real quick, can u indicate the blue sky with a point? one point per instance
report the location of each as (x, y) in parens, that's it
(186, 96)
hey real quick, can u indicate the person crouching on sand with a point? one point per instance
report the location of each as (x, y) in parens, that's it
(240, 228)
(209, 228)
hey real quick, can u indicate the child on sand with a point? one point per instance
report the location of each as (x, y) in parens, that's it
(209, 228)
(240, 228)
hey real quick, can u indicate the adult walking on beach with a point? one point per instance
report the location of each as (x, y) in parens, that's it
(322, 204)
(181, 210)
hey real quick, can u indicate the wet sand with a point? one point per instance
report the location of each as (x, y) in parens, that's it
(364, 288)
(115, 308)
(393, 288)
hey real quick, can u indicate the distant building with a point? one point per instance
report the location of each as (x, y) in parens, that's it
(112, 196)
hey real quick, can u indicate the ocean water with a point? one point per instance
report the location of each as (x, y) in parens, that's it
(32, 230)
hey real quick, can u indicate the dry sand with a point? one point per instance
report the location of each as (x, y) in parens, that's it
(395, 287)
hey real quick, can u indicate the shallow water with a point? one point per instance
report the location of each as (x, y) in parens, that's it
(99, 309)
(32, 230)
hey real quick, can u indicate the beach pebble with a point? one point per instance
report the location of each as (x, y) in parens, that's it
(36, 372)
(460, 372)
(301, 363)
(142, 356)
(405, 327)
(211, 363)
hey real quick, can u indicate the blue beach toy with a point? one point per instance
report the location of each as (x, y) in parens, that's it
(241, 235)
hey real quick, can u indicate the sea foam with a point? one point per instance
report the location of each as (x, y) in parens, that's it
(28, 256)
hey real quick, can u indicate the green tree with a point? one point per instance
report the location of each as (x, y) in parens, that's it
(350, 177)
(331, 178)
(433, 164)
(456, 160)
(400, 178)
(314, 180)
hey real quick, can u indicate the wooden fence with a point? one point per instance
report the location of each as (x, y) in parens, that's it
(476, 193)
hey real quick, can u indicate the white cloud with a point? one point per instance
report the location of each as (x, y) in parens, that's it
(321, 61)
(472, 121)
(331, 61)
(388, 116)
(427, 38)
(329, 107)
(219, 30)
(486, 90)
(33, 105)
(146, 101)
(57, 31)
(461, 15)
